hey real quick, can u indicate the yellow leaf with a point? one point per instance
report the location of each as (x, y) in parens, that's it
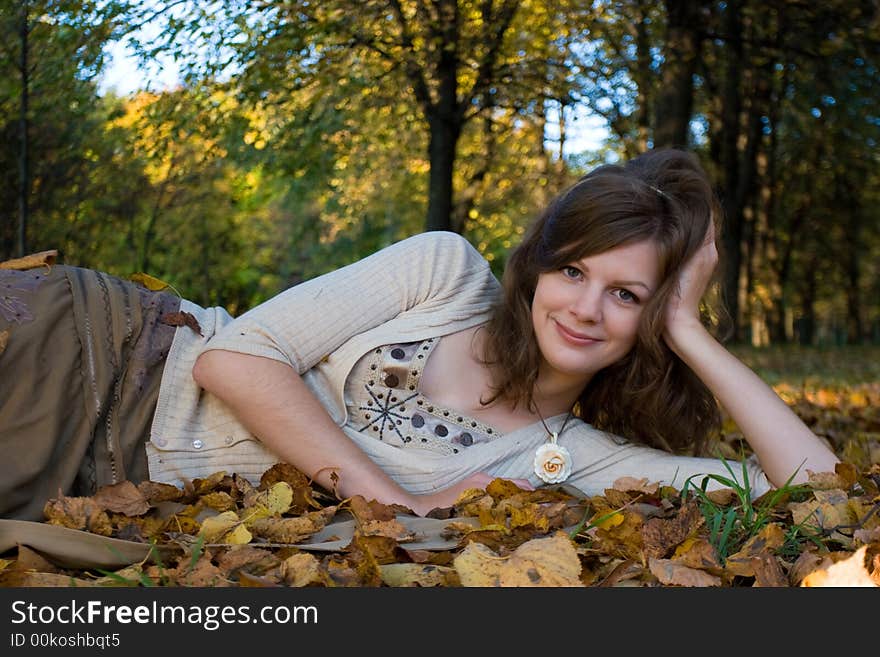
(279, 498)
(672, 573)
(477, 565)
(551, 561)
(268, 503)
(225, 528)
(612, 521)
(415, 574)
(152, 283)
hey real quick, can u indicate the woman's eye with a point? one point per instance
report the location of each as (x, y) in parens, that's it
(626, 295)
(571, 272)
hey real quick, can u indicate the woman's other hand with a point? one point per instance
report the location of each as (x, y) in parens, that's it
(683, 309)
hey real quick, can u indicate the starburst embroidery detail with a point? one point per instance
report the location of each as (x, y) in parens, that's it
(385, 412)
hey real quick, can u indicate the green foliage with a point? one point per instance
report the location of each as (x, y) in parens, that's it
(731, 526)
(300, 139)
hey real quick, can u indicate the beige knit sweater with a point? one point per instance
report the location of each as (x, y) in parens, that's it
(428, 285)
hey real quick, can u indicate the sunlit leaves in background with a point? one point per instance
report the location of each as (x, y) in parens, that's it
(299, 139)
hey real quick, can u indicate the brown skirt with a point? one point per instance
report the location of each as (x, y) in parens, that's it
(81, 359)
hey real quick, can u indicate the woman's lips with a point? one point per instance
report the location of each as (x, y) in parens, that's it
(573, 337)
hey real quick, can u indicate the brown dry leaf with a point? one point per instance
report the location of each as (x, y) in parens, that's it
(219, 500)
(182, 318)
(414, 574)
(181, 523)
(292, 530)
(627, 484)
(768, 571)
(78, 513)
(28, 559)
(722, 496)
(500, 489)
(828, 510)
(769, 538)
(393, 529)
(697, 553)
(661, 535)
(808, 561)
(372, 510)
(4, 339)
(202, 573)
(248, 580)
(156, 492)
(672, 572)
(253, 560)
(848, 473)
(351, 572)
(618, 499)
(849, 572)
(623, 538)
(124, 498)
(303, 495)
(210, 483)
(302, 569)
(384, 549)
(531, 515)
(867, 535)
(43, 258)
(474, 502)
(128, 576)
(363, 560)
(29, 579)
(620, 572)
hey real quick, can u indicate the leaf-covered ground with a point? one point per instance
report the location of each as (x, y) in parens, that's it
(224, 531)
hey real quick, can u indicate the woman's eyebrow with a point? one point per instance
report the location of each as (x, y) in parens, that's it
(632, 284)
(586, 269)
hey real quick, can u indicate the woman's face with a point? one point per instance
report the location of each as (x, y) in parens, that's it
(586, 314)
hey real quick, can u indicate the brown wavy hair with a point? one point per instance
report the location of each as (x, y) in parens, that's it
(650, 396)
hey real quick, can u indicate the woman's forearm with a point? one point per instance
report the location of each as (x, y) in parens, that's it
(274, 404)
(782, 442)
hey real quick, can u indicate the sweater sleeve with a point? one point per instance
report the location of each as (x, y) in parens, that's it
(307, 322)
(601, 458)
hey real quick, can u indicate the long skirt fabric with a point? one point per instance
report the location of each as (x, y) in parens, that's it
(81, 359)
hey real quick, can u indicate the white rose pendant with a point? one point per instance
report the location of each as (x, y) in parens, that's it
(552, 461)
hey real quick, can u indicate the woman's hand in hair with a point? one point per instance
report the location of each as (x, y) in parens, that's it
(682, 314)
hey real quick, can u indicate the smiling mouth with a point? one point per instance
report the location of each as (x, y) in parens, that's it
(576, 338)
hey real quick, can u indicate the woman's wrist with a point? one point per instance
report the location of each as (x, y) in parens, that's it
(681, 334)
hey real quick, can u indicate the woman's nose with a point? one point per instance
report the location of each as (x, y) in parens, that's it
(586, 306)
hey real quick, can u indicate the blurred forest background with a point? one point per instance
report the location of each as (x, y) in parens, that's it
(307, 134)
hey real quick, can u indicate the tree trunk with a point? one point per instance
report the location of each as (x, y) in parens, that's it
(24, 190)
(731, 237)
(644, 74)
(807, 323)
(682, 51)
(848, 198)
(445, 119)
